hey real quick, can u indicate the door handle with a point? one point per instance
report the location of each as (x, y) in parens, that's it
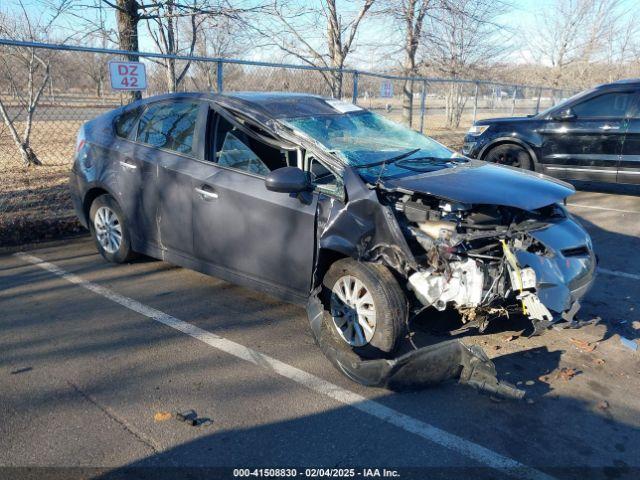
(207, 194)
(610, 127)
(130, 166)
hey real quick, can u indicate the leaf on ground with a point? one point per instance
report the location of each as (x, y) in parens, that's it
(509, 338)
(162, 416)
(583, 344)
(566, 374)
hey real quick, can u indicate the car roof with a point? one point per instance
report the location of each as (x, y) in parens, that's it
(624, 81)
(262, 105)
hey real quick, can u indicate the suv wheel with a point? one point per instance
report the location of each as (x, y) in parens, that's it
(367, 306)
(511, 155)
(109, 230)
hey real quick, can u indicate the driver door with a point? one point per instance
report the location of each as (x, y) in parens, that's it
(252, 234)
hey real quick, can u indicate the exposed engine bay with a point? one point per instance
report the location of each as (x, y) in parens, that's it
(467, 256)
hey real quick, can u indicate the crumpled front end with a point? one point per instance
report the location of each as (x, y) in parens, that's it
(485, 261)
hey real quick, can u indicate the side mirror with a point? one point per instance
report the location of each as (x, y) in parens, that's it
(564, 115)
(288, 180)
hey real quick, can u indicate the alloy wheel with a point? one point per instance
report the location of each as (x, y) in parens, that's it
(108, 229)
(353, 311)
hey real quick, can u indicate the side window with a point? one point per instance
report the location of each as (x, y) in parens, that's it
(125, 122)
(608, 105)
(169, 125)
(236, 149)
(235, 154)
(324, 179)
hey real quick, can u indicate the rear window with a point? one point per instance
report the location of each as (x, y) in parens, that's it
(125, 122)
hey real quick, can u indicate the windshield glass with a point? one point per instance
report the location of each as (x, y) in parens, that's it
(375, 145)
(558, 106)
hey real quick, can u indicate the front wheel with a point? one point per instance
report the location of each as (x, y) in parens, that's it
(109, 231)
(367, 306)
(511, 155)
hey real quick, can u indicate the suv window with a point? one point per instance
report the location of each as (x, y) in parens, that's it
(169, 125)
(612, 105)
(125, 122)
(236, 149)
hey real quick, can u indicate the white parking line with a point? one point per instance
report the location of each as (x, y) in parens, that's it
(602, 208)
(615, 273)
(429, 432)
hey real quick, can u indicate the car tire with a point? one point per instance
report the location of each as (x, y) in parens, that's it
(375, 290)
(511, 155)
(109, 230)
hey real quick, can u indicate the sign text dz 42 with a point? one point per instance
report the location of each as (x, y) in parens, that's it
(128, 75)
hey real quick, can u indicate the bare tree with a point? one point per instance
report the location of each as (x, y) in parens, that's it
(163, 18)
(296, 23)
(574, 32)
(463, 41)
(409, 16)
(164, 29)
(26, 72)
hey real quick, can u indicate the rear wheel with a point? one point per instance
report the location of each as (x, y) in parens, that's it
(367, 306)
(109, 230)
(511, 155)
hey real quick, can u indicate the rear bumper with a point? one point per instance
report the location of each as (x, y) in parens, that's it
(75, 192)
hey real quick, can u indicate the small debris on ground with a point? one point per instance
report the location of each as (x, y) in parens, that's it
(583, 344)
(496, 347)
(509, 338)
(162, 416)
(603, 405)
(599, 361)
(529, 382)
(544, 378)
(566, 374)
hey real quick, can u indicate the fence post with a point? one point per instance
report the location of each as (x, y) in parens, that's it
(475, 103)
(538, 101)
(354, 98)
(219, 78)
(513, 104)
(423, 105)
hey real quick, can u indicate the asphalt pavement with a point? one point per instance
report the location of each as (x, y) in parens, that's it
(96, 359)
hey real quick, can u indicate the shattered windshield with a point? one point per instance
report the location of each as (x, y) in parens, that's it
(378, 147)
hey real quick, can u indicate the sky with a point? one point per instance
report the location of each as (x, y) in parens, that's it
(521, 18)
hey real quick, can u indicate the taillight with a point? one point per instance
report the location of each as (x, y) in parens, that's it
(80, 140)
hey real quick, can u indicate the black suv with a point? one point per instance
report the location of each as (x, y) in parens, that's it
(594, 135)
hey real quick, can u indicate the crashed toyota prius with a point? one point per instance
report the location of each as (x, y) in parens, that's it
(326, 204)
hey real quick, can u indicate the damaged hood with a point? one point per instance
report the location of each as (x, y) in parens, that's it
(477, 182)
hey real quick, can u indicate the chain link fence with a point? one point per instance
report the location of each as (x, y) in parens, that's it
(48, 91)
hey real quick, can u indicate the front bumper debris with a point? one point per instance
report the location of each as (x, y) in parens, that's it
(424, 367)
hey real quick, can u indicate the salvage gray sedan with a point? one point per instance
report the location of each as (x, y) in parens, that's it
(323, 203)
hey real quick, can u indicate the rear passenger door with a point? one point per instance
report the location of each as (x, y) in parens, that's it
(169, 139)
